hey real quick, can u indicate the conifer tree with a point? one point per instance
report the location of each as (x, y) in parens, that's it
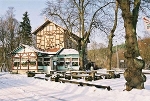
(25, 33)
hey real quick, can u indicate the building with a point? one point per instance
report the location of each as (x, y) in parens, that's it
(56, 49)
(66, 59)
(50, 35)
(26, 58)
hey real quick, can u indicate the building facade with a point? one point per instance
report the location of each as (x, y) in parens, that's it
(49, 36)
(26, 58)
(46, 56)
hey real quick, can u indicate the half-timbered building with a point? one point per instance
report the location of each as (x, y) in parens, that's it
(51, 39)
(50, 35)
(26, 58)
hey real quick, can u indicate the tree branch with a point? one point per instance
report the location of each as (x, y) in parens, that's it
(93, 17)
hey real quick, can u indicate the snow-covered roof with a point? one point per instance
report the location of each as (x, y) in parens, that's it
(31, 48)
(34, 49)
(68, 51)
(24, 46)
(61, 51)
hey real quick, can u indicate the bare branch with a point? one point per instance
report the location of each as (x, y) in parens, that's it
(93, 17)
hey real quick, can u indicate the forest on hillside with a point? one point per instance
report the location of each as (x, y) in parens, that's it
(98, 53)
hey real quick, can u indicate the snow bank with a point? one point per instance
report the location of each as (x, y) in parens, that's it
(17, 87)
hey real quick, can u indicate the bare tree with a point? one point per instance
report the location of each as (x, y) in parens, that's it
(133, 74)
(80, 16)
(8, 34)
(110, 37)
(12, 28)
(2, 39)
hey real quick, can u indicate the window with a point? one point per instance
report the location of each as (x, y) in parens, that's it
(16, 64)
(24, 64)
(61, 59)
(32, 63)
(74, 63)
(40, 64)
(67, 63)
(46, 62)
(46, 59)
(60, 63)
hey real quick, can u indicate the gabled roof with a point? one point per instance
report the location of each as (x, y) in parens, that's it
(44, 24)
(48, 22)
(50, 52)
(24, 46)
(31, 48)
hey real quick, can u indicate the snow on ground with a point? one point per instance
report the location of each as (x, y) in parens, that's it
(18, 87)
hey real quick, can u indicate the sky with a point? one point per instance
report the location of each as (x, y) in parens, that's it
(35, 7)
(19, 87)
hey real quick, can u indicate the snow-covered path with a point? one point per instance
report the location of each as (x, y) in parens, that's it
(17, 87)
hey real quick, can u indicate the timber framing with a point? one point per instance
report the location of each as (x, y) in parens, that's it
(50, 35)
(24, 58)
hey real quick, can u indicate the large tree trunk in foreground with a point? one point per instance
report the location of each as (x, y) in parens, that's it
(133, 74)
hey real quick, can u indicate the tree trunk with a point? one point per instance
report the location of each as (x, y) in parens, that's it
(82, 51)
(133, 74)
(109, 53)
(109, 59)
